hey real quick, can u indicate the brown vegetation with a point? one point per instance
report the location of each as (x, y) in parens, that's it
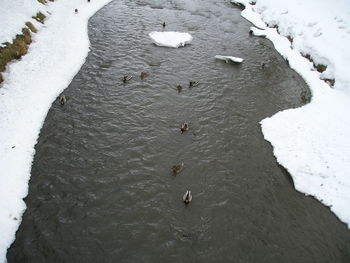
(330, 82)
(14, 50)
(40, 17)
(319, 67)
(19, 46)
(45, 1)
(31, 27)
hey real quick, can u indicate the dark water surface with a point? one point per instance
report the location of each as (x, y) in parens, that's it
(102, 189)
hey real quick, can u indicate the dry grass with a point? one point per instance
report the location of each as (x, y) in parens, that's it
(45, 1)
(31, 27)
(40, 17)
(319, 67)
(16, 50)
(274, 26)
(19, 46)
(330, 82)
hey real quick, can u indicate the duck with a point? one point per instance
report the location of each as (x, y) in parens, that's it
(184, 127)
(76, 11)
(163, 24)
(187, 198)
(62, 99)
(178, 168)
(144, 75)
(127, 78)
(179, 88)
(194, 83)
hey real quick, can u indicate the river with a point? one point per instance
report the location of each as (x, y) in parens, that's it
(101, 187)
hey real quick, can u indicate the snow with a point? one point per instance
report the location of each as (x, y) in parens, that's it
(258, 32)
(312, 142)
(30, 87)
(229, 58)
(249, 14)
(170, 38)
(14, 15)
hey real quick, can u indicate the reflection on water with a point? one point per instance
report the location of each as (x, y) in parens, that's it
(102, 189)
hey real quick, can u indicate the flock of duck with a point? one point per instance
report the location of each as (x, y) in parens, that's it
(176, 169)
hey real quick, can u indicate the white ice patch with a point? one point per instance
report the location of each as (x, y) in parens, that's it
(313, 141)
(258, 32)
(250, 14)
(170, 39)
(229, 58)
(31, 85)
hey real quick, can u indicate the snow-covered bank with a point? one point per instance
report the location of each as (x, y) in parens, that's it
(312, 142)
(14, 15)
(31, 85)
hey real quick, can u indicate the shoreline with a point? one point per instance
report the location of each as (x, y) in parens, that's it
(23, 111)
(310, 142)
(31, 85)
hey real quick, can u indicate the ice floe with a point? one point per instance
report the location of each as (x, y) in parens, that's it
(229, 58)
(170, 38)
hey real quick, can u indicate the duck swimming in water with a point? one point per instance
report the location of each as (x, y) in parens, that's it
(62, 99)
(194, 83)
(144, 75)
(178, 168)
(127, 78)
(179, 88)
(187, 198)
(163, 24)
(184, 127)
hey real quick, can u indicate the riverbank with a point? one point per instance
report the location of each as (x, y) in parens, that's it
(29, 88)
(32, 84)
(101, 186)
(311, 142)
(16, 34)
